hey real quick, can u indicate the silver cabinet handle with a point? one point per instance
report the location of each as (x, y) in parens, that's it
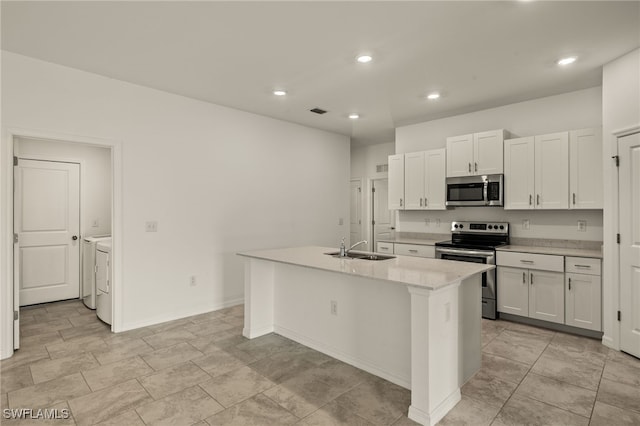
(524, 277)
(383, 248)
(532, 278)
(569, 283)
(469, 167)
(476, 167)
(420, 202)
(574, 198)
(538, 199)
(583, 266)
(425, 201)
(526, 261)
(400, 202)
(413, 251)
(530, 199)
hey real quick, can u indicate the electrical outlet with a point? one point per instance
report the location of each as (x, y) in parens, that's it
(340, 221)
(525, 224)
(582, 226)
(427, 221)
(151, 226)
(192, 280)
(334, 307)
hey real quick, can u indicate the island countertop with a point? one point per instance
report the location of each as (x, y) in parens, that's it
(431, 274)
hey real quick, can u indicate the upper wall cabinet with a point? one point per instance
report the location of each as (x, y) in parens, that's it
(585, 169)
(475, 154)
(417, 180)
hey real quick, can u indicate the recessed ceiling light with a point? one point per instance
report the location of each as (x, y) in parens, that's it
(433, 96)
(354, 116)
(279, 92)
(363, 59)
(567, 60)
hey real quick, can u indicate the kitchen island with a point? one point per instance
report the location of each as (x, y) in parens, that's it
(413, 321)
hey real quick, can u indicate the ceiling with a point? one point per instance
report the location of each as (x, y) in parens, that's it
(477, 54)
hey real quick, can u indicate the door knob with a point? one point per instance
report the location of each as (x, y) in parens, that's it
(75, 237)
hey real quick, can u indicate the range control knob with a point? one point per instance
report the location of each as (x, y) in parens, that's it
(455, 226)
(490, 227)
(461, 226)
(501, 226)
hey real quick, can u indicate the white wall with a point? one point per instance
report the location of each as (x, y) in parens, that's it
(574, 110)
(620, 110)
(95, 181)
(217, 180)
(364, 160)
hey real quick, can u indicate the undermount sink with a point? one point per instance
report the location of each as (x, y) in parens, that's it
(363, 256)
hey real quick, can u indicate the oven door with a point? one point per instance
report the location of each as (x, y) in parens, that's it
(487, 257)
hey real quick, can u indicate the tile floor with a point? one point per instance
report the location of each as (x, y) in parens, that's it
(201, 371)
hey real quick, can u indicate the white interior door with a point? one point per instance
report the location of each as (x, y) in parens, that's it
(629, 184)
(47, 225)
(355, 211)
(382, 219)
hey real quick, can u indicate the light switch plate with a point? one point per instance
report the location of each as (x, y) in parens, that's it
(582, 226)
(151, 226)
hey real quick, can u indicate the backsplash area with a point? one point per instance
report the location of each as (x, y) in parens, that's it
(545, 228)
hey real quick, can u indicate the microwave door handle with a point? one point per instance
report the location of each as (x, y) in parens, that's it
(485, 192)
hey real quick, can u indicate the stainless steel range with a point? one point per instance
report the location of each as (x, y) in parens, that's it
(476, 242)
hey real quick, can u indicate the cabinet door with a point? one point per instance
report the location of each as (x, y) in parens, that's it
(488, 152)
(585, 169)
(513, 291)
(385, 248)
(546, 296)
(435, 180)
(414, 181)
(459, 155)
(552, 171)
(583, 301)
(519, 182)
(396, 182)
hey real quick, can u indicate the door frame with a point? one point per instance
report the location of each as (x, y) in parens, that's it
(611, 253)
(361, 196)
(6, 224)
(370, 226)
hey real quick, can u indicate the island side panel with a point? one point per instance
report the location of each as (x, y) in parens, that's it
(259, 282)
(470, 335)
(370, 330)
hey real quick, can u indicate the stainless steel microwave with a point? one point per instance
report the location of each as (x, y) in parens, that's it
(486, 190)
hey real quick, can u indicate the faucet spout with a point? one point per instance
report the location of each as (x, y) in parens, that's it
(355, 245)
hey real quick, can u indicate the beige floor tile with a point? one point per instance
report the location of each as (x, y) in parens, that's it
(236, 321)
(559, 394)
(258, 410)
(503, 368)
(15, 378)
(207, 344)
(122, 349)
(55, 415)
(622, 357)
(530, 329)
(334, 414)
(128, 418)
(470, 412)
(618, 394)
(236, 386)
(169, 325)
(607, 415)
(523, 411)
(107, 403)
(45, 394)
(218, 362)
(517, 346)
(173, 379)
(574, 354)
(168, 338)
(83, 319)
(377, 401)
(117, 372)
(405, 421)
(208, 316)
(45, 370)
(86, 343)
(40, 339)
(208, 327)
(579, 344)
(622, 372)
(172, 355)
(118, 338)
(25, 356)
(183, 408)
(4, 401)
(488, 389)
(45, 327)
(93, 330)
(282, 366)
(264, 346)
(576, 372)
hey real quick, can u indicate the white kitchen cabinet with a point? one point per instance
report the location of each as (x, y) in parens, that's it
(535, 291)
(537, 172)
(424, 180)
(396, 182)
(583, 293)
(475, 154)
(585, 169)
(417, 250)
(384, 247)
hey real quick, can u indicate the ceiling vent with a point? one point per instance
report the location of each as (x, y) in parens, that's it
(318, 111)
(382, 168)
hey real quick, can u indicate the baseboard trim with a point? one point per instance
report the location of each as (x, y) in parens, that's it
(405, 382)
(552, 326)
(430, 419)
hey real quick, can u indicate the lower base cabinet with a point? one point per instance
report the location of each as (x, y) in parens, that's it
(583, 301)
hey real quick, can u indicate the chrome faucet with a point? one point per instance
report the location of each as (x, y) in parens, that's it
(355, 245)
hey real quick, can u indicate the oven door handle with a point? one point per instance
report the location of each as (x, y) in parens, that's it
(465, 252)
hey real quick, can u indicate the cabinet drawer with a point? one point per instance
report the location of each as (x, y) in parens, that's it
(546, 262)
(583, 265)
(414, 250)
(385, 248)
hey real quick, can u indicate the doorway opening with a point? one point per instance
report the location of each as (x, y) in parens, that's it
(382, 219)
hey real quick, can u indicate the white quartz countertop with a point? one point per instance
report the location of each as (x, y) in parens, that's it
(416, 271)
(560, 251)
(418, 241)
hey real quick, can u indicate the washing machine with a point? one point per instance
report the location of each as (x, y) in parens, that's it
(103, 281)
(89, 269)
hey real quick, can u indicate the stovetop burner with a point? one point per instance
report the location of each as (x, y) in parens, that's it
(477, 235)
